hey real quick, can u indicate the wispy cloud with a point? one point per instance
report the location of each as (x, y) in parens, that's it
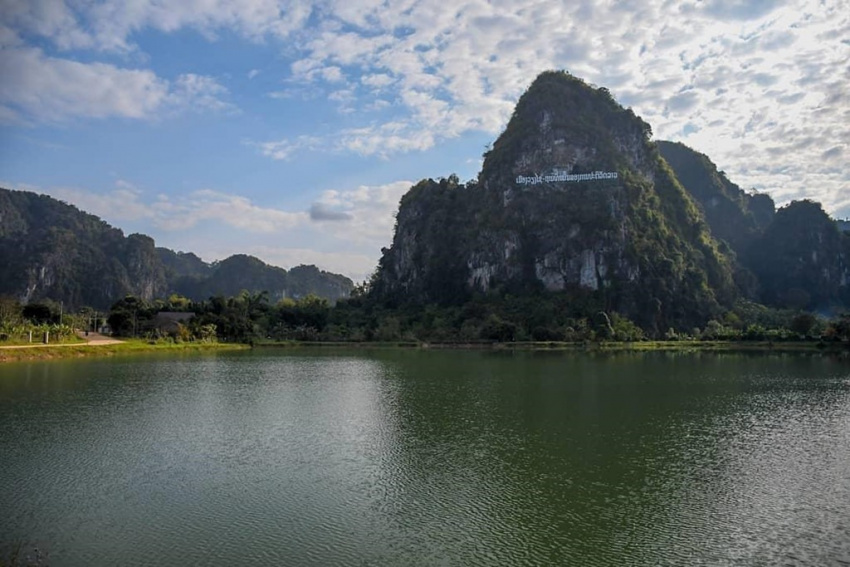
(235, 211)
(284, 149)
(369, 212)
(108, 25)
(36, 87)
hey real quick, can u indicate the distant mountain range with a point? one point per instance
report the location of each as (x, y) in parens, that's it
(52, 250)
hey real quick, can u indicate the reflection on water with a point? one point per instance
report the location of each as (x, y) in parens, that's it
(396, 457)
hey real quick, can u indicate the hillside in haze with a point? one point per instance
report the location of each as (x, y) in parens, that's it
(796, 257)
(732, 214)
(52, 250)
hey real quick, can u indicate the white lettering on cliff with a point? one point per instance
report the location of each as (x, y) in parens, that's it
(562, 176)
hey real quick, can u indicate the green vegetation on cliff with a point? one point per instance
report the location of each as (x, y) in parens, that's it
(792, 258)
(670, 243)
(637, 244)
(801, 259)
(733, 215)
(52, 250)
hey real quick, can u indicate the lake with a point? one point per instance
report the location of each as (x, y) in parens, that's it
(417, 457)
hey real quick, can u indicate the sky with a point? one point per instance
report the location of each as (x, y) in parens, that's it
(289, 130)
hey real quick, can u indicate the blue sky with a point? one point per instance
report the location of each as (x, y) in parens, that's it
(289, 130)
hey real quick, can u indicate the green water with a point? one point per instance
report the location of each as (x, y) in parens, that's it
(405, 457)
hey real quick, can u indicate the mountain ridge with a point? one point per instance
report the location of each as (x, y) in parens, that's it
(50, 249)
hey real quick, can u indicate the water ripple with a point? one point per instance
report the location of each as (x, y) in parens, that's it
(429, 458)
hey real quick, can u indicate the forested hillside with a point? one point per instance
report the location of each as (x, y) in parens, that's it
(52, 250)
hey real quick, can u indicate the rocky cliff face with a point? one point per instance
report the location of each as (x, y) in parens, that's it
(573, 196)
(52, 250)
(49, 249)
(733, 215)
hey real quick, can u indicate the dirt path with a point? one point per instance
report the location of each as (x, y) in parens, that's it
(97, 339)
(92, 339)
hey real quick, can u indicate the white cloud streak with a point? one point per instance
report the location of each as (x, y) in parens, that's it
(232, 210)
(39, 88)
(108, 25)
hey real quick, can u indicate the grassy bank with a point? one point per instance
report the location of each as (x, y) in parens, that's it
(68, 340)
(130, 346)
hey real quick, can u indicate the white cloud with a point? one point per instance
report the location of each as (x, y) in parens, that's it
(126, 202)
(199, 93)
(109, 25)
(121, 204)
(41, 88)
(370, 211)
(284, 149)
(352, 224)
(332, 74)
(377, 80)
(384, 140)
(208, 205)
(380, 140)
(48, 88)
(52, 19)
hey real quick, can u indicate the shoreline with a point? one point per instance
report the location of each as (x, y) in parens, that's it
(24, 353)
(638, 346)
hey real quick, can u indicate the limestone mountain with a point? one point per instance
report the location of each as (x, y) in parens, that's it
(802, 260)
(241, 272)
(573, 197)
(52, 250)
(733, 215)
(183, 264)
(796, 257)
(49, 249)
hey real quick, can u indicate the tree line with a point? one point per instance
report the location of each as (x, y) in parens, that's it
(485, 318)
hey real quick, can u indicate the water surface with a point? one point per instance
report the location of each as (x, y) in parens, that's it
(406, 457)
